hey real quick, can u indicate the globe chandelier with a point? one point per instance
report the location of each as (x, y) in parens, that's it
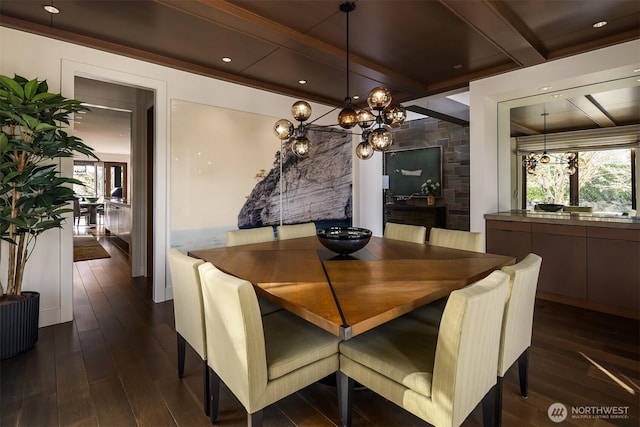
(375, 122)
(532, 160)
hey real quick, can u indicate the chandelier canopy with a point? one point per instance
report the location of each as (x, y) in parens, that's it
(374, 122)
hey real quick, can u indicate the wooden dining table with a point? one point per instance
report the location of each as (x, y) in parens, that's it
(348, 295)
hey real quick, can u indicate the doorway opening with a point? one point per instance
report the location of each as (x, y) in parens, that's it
(117, 129)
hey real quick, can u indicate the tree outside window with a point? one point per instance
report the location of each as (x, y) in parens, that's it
(91, 176)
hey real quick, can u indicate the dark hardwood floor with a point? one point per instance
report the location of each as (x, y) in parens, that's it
(115, 365)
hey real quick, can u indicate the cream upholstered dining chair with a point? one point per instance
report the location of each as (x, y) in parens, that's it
(189, 312)
(457, 239)
(405, 232)
(261, 359)
(247, 236)
(454, 239)
(297, 230)
(437, 374)
(517, 323)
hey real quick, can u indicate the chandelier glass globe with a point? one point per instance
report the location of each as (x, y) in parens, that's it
(283, 129)
(347, 118)
(380, 139)
(301, 146)
(365, 119)
(301, 111)
(364, 150)
(379, 98)
(394, 115)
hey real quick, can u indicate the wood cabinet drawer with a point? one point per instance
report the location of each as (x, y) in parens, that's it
(560, 229)
(614, 233)
(508, 225)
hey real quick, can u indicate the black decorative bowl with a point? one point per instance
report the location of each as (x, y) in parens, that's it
(344, 240)
(550, 207)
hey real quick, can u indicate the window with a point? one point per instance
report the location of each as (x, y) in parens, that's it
(91, 176)
(603, 181)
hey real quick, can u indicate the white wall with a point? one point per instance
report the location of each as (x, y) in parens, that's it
(57, 62)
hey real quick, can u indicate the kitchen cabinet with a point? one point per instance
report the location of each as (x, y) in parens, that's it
(118, 223)
(563, 249)
(589, 261)
(613, 267)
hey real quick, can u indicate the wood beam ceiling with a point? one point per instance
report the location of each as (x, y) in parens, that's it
(495, 22)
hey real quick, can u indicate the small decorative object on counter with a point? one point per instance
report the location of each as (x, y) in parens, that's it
(429, 188)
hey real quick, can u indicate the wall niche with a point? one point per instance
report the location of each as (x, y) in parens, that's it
(454, 140)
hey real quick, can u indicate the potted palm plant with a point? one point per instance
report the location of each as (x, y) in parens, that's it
(34, 197)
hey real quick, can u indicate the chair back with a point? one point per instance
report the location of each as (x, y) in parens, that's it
(187, 300)
(76, 208)
(457, 239)
(467, 349)
(405, 232)
(250, 235)
(295, 231)
(235, 335)
(517, 323)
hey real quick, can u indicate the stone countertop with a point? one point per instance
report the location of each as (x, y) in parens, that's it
(566, 218)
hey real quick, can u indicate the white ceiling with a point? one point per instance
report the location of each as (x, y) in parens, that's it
(105, 129)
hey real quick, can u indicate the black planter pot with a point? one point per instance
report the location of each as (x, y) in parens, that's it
(19, 317)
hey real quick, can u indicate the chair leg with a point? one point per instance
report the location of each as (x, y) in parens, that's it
(345, 398)
(498, 402)
(214, 389)
(207, 388)
(181, 351)
(489, 408)
(255, 419)
(523, 368)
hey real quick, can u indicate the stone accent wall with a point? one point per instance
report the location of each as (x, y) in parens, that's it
(454, 140)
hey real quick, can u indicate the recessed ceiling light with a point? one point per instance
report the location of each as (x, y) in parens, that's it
(543, 88)
(457, 66)
(637, 70)
(557, 95)
(599, 24)
(302, 82)
(356, 97)
(51, 9)
(226, 59)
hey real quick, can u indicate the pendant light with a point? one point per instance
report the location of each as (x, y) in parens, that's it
(531, 161)
(347, 118)
(382, 115)
(545, 157)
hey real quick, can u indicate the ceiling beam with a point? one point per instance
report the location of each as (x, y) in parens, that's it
(437, 114)
(495, 21)
(593, 110)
